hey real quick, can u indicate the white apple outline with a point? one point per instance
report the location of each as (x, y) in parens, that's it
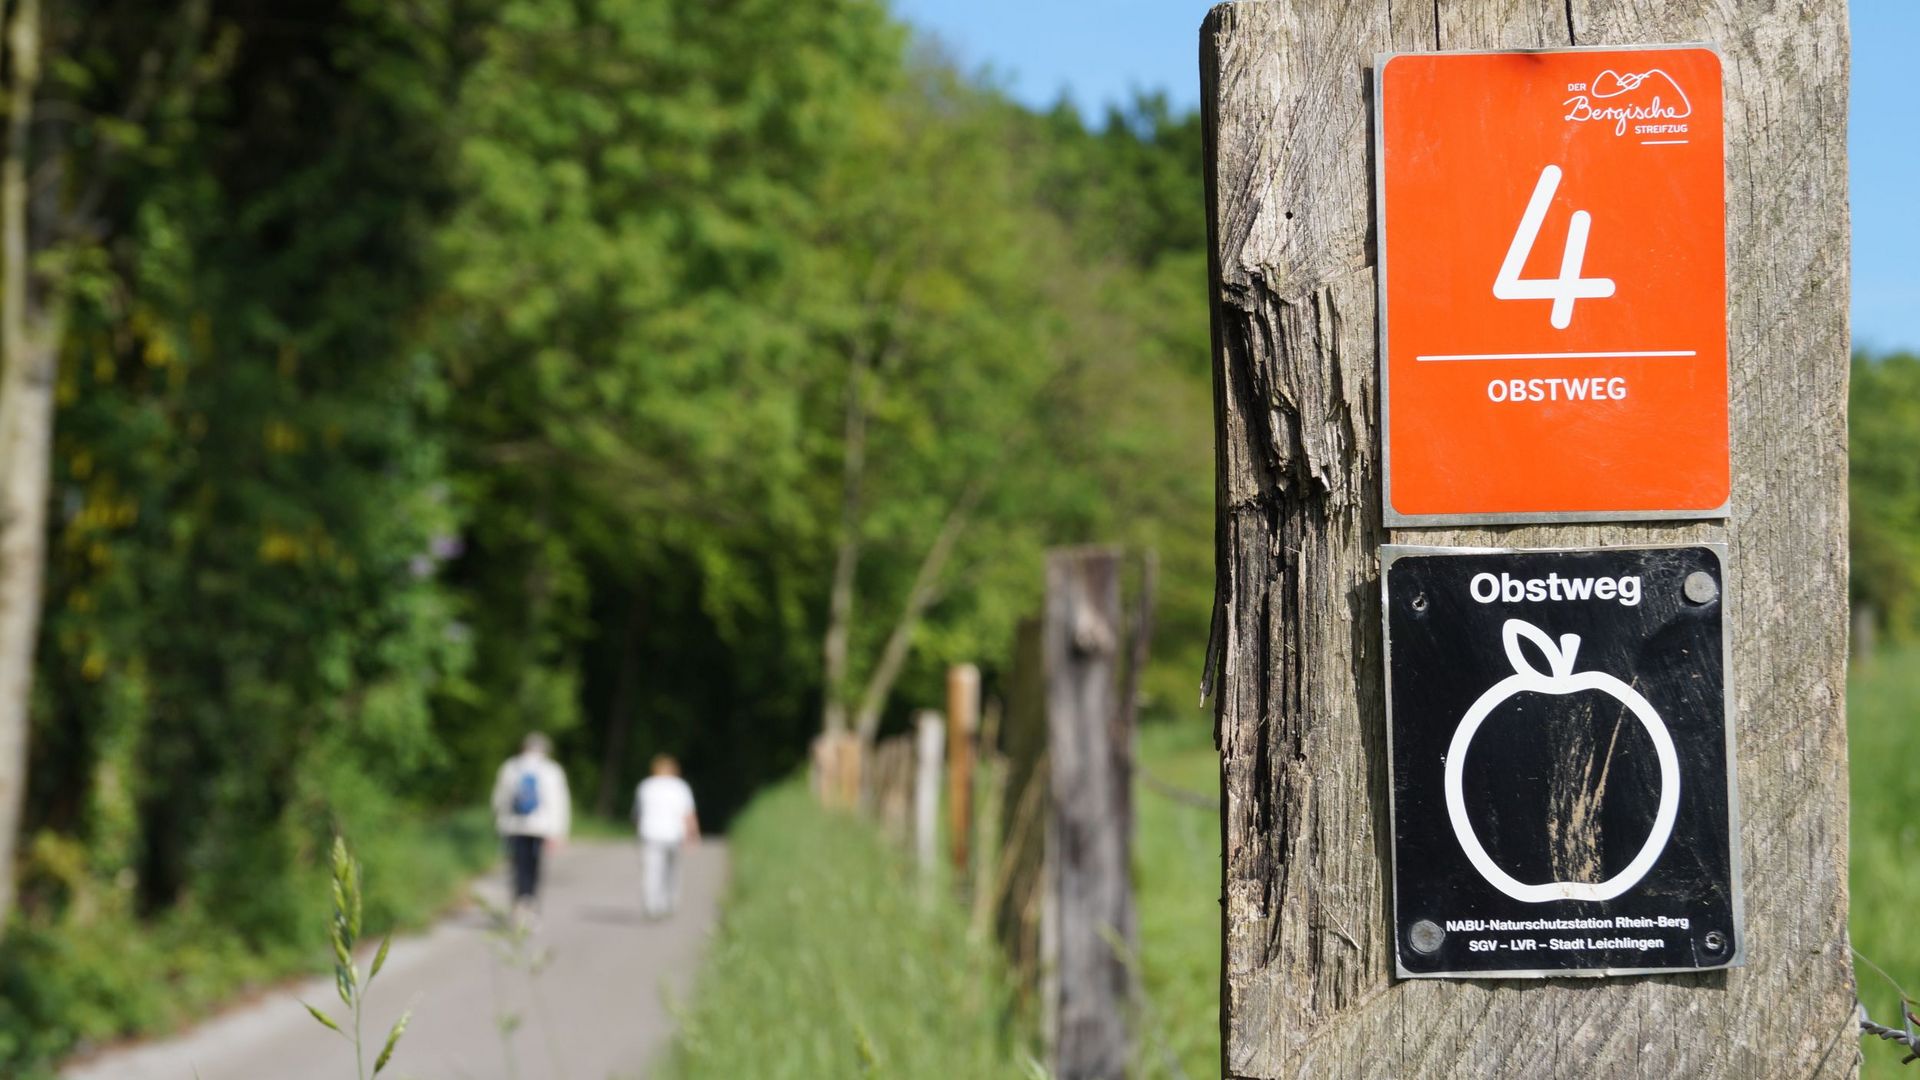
(1561, 681)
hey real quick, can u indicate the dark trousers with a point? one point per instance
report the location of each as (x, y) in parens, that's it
(523, 855)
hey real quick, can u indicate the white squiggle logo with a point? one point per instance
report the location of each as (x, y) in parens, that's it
(1559, 680)
(1642, 97)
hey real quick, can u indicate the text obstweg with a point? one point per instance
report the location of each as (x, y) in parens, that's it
(1486, 588)
(1594, 388)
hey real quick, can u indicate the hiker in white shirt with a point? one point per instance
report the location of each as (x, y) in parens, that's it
(663, 811)
(533, 811)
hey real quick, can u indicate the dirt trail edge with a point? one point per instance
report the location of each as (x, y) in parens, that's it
(597, 1010)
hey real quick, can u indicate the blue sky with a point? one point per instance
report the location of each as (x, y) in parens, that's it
(1097, 51)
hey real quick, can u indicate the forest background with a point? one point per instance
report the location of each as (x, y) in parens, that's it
(430, 372)
(670, 378)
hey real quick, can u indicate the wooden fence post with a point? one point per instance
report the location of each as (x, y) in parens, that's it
(890, 780)
(1089, 839)
(835, 773)
(930, 741)
(1020, 867)
(963, 720)
(1308, 987)
(988, 848)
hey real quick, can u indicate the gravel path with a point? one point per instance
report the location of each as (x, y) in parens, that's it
(598, 1009)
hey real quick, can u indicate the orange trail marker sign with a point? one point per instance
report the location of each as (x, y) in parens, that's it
(1554, 285)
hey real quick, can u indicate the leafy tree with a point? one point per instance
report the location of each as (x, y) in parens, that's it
(620, 341)
(1884, 492)
(93, 87)
(930, 306)
(30, 339)
(242, 640)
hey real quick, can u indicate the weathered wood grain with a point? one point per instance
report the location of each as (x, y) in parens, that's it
(1307, 986)
(1090, 856)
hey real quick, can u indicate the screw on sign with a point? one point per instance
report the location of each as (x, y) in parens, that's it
(1553, 285)
(1558, 755)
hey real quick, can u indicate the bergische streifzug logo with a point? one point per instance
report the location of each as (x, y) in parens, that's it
(1647, 102)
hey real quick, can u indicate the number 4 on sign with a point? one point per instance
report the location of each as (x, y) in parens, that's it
(1569, 286)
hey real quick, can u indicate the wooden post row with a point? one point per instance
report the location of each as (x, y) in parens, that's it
(1315, 980)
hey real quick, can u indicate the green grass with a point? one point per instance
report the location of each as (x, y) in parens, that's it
(828, 963)
(830, 967)
(1176, 860)
(1883, 729)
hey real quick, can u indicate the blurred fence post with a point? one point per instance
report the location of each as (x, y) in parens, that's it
(992, 772)
(1019, 867)
(963, 721)
(1089, 838)
(930, 740)
(836, 770)
(1866, 631)
(890, 788)
(1308, 986)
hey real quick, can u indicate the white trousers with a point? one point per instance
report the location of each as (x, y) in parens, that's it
(659, 877)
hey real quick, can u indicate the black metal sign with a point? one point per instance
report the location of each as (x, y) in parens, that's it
(1560, 756)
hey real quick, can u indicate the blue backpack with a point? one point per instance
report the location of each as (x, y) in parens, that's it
(526, 794)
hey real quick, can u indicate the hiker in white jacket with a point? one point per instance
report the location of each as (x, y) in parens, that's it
(533, 811)
(663, 810)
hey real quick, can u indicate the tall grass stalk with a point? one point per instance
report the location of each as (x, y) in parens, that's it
(343, 931)
(513, 947)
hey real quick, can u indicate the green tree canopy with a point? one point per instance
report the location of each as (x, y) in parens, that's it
(1884, 478)
(441, 370)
